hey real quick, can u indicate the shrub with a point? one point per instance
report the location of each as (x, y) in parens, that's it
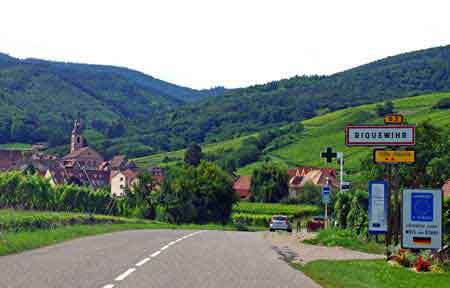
(444, 103)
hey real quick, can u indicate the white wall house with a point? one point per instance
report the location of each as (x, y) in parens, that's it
(120, 180)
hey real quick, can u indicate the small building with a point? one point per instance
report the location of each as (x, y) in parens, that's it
(446, 189)
(242, 186)
(77, 176)
(120, 180)
(11, 159)
(310, 175)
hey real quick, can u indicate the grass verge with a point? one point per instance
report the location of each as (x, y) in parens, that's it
(369, 273)
(25, 230)
(346, 239)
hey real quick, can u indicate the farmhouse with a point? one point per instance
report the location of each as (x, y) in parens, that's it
(446, 189)
(300, 176)
(120, 180)
(242, 186)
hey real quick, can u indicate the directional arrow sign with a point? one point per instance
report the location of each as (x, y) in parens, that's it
(380, 135)
(381, 156)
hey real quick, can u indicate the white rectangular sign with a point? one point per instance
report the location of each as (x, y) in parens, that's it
(378, 207)
(380, 135)
(422, 218)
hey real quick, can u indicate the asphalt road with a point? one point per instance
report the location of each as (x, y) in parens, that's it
(154, 258)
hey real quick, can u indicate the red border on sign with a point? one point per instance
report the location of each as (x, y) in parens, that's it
(412, 127)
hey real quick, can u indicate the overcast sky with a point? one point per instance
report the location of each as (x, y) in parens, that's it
(233, 43)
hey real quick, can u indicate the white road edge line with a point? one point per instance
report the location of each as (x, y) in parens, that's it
(125, 274)
(155, 254)
(142, 262)
(109, 286)
(164, 248)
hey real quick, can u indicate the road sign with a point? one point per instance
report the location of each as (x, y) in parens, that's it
(422, 218)
(328, 155)
(381, 156)
(326, 190)
(378, 207)
(345, 186)
(380, 135)
(393, 119)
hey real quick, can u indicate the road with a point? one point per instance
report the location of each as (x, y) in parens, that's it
(154, 258)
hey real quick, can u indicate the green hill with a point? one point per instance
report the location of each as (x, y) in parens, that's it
(302, 97)
(328, 130)
(322, 131)
(125, 111)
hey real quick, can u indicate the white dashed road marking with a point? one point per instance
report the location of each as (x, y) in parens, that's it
(145, 260)
(125, 274)
(155, 254)
(142, 262)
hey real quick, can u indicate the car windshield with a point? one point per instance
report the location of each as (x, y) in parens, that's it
(279, 218)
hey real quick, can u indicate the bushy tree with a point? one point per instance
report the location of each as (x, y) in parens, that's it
(385, 109)
(193, 155)
(197, 194)
(269, 183)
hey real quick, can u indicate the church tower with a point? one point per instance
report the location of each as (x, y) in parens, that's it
(77, 141)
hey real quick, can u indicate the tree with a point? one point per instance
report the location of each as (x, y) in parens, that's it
(197, 194)
(143, 196)
(385, 109)
(269, 183)
(444, 103)
(193, 155)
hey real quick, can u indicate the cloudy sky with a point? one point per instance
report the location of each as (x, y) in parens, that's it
(233, 43)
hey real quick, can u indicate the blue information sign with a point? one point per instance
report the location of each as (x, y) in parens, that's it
(377, 207)
(326, 190)
(422, 207)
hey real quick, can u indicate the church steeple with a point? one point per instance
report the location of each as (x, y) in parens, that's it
(77, 141)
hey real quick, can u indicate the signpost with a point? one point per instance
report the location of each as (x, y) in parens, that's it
(393, 119)
(381, 156)
(378, 207)
(380, 135)
(391, 135)
(345, 186)
(422, 219)
(326, 198)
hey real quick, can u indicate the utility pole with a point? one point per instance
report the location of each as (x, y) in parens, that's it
(340, 156)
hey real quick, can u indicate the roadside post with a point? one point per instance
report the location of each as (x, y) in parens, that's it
(391, 136)
(326, 198)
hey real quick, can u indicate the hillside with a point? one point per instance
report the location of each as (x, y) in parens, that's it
(125, 111)
(39, 100)
(298, 98)
(322, 131)
(329, 130)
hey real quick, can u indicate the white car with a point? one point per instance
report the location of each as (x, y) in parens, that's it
(280, 222)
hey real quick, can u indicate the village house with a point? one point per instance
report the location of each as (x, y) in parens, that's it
(300, 176)
(242, 186)
(121, 180)
(446, 189)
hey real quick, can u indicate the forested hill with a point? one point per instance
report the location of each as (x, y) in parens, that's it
(39, 99)
(256, 107)
(128, 112)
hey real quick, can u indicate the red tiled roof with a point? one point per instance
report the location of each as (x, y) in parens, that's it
(303, 170)
(446, 189)
(242, 186)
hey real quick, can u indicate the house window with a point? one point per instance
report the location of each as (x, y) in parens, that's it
(121, 186)
(78, 139)
(121, 178)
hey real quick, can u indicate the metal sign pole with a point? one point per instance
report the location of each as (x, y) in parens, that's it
(389, 226)
(396, 204)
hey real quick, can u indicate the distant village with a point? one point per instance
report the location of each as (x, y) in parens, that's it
(83, 165)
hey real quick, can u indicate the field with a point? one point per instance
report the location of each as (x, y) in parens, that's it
(259, 214)
(322, 131)
(328, 130)
(174, 157)
(16, 146)
(370, 273)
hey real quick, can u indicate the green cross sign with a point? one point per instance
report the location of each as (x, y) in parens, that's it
(328, 155)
